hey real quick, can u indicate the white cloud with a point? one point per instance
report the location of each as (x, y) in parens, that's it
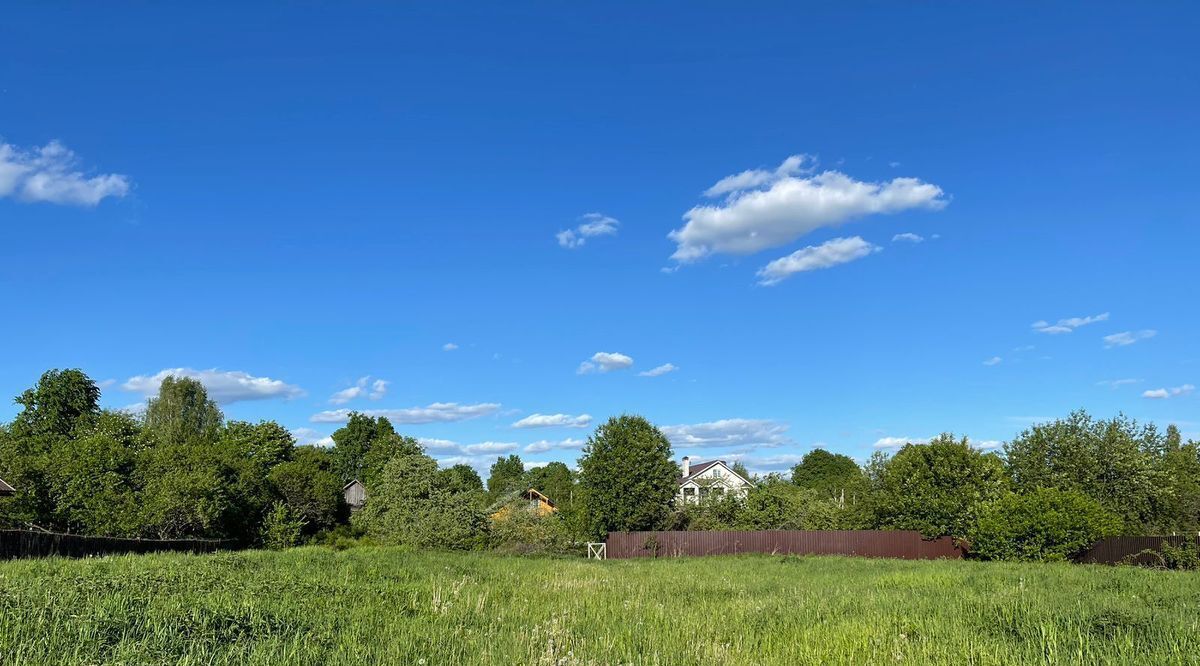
(1126, 338)
(1067, 325)
(1117, 383)
(449, 346)
(554, 421)
(223, 386)
(659, 371)
(488, 448)
(908, 237)
(754, 178)
(434, 444)
(897, 442)
(815, 257)
(545, 445)
(438, 412)
(592, 225)
(765, 209)
(1164, 393)
(50, 174)
(995, 360)
(310, 437)
(378, 389)
(986, 444)
(605, 362)
(728, 432)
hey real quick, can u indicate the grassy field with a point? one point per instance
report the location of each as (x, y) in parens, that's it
(386, 606)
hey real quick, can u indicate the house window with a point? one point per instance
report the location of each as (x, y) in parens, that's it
(689, 492)
(718, 472)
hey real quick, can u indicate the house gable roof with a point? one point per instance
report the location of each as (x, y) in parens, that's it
(6, 489)
(696, 469)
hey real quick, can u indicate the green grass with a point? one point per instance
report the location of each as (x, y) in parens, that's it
(387, 606)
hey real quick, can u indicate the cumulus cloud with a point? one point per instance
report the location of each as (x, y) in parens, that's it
(1067, 325)
(995, 360)
(50, 174)
(815, 257)
(449, 346)
(223, 386)
(908, 237)
(897, 442)
(764, 209)
(591, 226)
(659, 371)
(545, 445)
(1126, 338)
(310, 437)
(605, 362)
(728, 432)
(438, 412)
(1164, 393)
(379, 389)
(554, 421)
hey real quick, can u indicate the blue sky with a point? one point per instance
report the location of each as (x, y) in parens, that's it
(822, 225)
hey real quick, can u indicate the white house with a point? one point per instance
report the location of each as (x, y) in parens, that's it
(715, 476)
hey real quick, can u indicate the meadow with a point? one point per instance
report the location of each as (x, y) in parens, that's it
(389, 606)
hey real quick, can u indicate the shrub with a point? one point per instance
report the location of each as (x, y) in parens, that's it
(1046, 524)
(517, 529)
(281, 527)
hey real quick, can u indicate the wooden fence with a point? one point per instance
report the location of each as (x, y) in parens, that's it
(864, 543)
(24, 543)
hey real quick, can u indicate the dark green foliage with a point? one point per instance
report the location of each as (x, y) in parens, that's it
(554, 480)
(461, 478)
(60, 401)
(1179, 498)
(507, 475)
(829, 474)
(627, 478)
(409, 506)
(1184, 557)
(310, 489)
(776, 504)
(266, 442)
(1046, 524)
(1113, 462)
(364, 445)
(937, 488)
(740, 469)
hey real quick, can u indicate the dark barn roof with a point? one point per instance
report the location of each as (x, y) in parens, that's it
(6, 489)
(695, 469)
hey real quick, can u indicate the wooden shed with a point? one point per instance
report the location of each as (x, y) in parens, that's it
(5, 489)
(355, 493)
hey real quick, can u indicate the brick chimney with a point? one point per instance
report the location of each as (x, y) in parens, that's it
(687, 467)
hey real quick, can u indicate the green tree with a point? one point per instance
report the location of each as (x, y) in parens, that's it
(364, 445)
(507, 474)
(92, 478)
(554, 480)
(938, 488)
(829, 474)
(266, 442)
(57, 404)
(1115, 462)
(310, 489)
(627, 478)
(1046, 524)
(461, 478)
(740, 469)
(182, 413)
(408, 506)
(777, 504)
(282, 528)
(1180, 494)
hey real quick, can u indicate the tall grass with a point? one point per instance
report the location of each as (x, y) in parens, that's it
(387, 606)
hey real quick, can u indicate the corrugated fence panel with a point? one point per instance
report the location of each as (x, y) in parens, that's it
(23, 543)
(1130, 549)
(864, 543)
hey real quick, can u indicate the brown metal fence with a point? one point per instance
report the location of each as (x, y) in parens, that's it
(864, 543)
(1130, 549)
(24, 543)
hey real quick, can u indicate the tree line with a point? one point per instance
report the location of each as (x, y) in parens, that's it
(181, 470)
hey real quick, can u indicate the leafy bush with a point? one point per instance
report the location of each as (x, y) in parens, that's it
(517, 529)
(1185, 557)
(1046, 524)
(408, 506)
(281, 527)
